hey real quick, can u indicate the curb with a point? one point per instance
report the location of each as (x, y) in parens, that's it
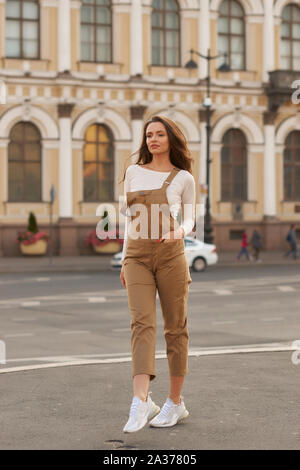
(106, 268)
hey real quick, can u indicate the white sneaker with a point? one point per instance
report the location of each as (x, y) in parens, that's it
(170, 414)
(140, 413)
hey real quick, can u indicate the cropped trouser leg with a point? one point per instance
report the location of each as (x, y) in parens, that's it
(172, 282)
(141, 291)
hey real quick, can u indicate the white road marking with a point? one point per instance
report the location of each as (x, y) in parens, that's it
(126, 357)
(97, 299)
(32, 303)
(74, 332)
(23, 319)
(286, 288)
(223, 291)
(272, 319)
(34, 279)
(18, 335)
(117, 330)
(42, 279)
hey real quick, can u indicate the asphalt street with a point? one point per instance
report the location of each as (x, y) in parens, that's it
(86, 315)
(66, 382)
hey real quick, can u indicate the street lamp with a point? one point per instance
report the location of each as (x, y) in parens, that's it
(191, 64)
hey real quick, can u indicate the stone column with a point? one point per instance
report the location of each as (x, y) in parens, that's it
(136, 114)
(136, 39)
(268, 40)
(202, 163)
(64, 36)
(203, 37)
(269, 166)
(68, 245)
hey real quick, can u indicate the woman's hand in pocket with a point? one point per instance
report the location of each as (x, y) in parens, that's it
(172, 236)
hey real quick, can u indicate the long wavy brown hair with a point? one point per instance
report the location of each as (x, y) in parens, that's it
(180, 155)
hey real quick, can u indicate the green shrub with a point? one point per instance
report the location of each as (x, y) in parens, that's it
(32, 223)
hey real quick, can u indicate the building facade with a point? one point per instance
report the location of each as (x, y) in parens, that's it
(81, 78)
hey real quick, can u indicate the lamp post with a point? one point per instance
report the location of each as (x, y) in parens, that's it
(191, 64)
(52, 199)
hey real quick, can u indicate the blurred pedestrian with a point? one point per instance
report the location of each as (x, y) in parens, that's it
(256, 245)
(291, 239)
(244, 245)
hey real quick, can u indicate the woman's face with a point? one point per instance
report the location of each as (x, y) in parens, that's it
(157, 138)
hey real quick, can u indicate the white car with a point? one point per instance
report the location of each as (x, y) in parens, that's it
(198, 254)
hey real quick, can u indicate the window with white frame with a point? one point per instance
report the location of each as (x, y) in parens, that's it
(96, 31)
(231, 34)
(22, 29)
(165, 33)
(290, 38)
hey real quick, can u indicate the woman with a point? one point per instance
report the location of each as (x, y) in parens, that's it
(154, 258)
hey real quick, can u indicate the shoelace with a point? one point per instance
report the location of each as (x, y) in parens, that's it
(166, 409)
(135, 404)
(134, 408)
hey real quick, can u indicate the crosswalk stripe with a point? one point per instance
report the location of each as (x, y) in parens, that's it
(30, 303)
(286, 288)
(223, 291)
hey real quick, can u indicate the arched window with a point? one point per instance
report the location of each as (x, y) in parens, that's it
(231, 34)
(98, 164)
(234, 166)
(291, 158)
(22, 29)
(24, 163)
(96, 31)
(290, 38)
(165, 33)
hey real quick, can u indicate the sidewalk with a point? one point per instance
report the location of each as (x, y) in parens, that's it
(100, 263)
(236, 401)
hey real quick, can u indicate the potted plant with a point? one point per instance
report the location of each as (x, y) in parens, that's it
(112, 243)
(33, 242)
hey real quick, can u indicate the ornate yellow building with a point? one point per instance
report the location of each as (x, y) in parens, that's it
(81, 78)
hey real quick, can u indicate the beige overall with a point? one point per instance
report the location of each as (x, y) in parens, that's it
(151, 265)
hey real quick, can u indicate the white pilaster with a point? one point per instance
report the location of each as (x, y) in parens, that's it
(136, 38)
(203, 36)
(268, 40)
(65, 168)
(137, 130)
(64, 35)
(269, 171)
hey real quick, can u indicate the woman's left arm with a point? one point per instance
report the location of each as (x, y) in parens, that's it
(188, 199)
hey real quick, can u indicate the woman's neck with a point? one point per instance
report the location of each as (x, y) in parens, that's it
(160, 163)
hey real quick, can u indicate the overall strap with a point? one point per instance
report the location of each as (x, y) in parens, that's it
(172, 175)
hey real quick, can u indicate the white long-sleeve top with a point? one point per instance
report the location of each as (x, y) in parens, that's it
(180, 194)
